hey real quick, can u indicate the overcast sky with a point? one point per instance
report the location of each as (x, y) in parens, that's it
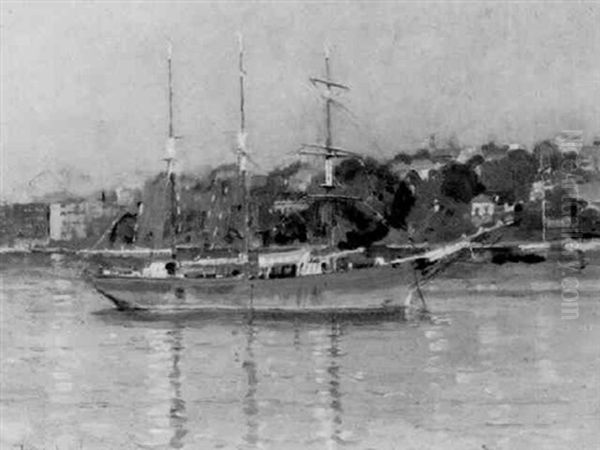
(84, 83)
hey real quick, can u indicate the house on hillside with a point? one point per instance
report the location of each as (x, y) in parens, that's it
(590, 157)
(445, 155)
(538, 190)
(569, 141)
(514, 147)
(400, 168)
(421, 166)
(468, 153)
(483, 209)
(493, 152)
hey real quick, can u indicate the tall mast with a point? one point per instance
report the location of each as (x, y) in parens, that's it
(170, 154)
(242, 152)
(170, 69)
(328, 99)
(328, 152)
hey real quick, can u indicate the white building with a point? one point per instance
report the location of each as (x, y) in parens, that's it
(569, 141)
(482, 210)
(73, 220)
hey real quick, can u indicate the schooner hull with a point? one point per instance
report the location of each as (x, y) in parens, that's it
(371, 290)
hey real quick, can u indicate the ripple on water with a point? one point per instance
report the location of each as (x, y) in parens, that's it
(470, 374)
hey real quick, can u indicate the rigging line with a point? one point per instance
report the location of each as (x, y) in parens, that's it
(354, 119)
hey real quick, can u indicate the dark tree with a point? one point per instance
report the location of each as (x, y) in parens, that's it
(474, 161)
(403, 202)
(589, 223)
(349, 169)
(402, 157)
(510, 177)
(460, 182)
(523, 168)
(366, 228)
(492, 150)
(422, 154)
(548, 155)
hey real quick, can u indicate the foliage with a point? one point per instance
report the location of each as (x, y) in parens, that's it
(460, 182)
(491, 150)
(560, 203)
(402, 157)
(589, 223)
(422, 154)
(510, 177)
(548, 155)
(475, 161)
(377, 200)
(402, 204)
(450, 222)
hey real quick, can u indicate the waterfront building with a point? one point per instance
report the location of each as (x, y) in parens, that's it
(24, 225)
(80, 222)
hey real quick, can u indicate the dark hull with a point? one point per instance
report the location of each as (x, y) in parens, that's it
(377, 290)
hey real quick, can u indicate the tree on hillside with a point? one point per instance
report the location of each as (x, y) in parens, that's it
(460, 182)
(560, 203)
(524, 168)
(402, 204)
(492, 150)
(365, 228)
(510, 177)
(497, 179)
(347, 170)
(589, 223)
(422, 154)
(475, 161)
(426, 194)
(402, 157)
(548, 155)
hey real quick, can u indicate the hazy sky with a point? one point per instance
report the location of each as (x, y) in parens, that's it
(84, 83)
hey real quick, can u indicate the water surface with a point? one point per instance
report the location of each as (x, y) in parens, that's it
(485, 371)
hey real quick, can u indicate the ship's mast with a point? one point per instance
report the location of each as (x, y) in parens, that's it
(328, 152)
(170, 154)
(242, 154)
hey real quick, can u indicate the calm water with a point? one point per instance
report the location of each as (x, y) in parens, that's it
(484, 372)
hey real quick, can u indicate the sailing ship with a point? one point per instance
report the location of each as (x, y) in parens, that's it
(305, 280)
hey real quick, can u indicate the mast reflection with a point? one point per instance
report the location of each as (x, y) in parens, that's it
(250, 403)
(177, 412)
(334, 380)
(326, 356)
